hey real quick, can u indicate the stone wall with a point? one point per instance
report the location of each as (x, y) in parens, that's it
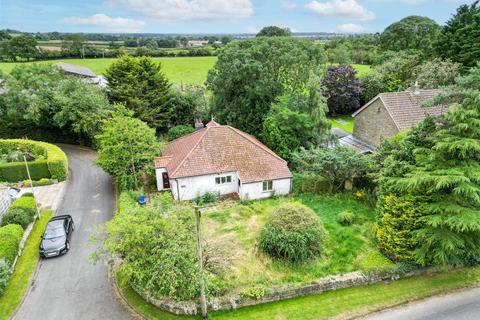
(282, 293)
(374, 124)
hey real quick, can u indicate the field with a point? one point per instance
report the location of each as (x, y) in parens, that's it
(191, 70)
(343, 122)
(347, 248)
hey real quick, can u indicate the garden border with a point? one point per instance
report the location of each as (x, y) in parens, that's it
(331, 283)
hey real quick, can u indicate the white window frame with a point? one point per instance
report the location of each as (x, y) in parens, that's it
(267, 186)
(223, 180)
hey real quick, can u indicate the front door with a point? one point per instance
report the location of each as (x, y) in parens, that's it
(166, 182)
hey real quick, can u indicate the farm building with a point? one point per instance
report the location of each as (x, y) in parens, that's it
(221, 160)
(387, 114)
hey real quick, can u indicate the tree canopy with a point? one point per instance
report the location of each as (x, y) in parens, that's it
(140, 85)
(343, 89)
(274, 31)
(249, 76)
(458, 40)
(413, 32)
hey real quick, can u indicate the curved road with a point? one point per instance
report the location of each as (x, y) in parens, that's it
(70, 287)
(464, 305)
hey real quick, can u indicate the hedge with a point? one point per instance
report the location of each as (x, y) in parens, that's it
(309, 183)
(55, 166)
(25, 203)
(10, 238)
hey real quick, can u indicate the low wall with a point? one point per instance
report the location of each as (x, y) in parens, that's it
(282, 293)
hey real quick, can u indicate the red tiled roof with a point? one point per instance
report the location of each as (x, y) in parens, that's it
(217, 149)
(406, 109)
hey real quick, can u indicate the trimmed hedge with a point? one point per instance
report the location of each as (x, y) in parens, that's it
(10, 237)
(25, 203)
(55, 166)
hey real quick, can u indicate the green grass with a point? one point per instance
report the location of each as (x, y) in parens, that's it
(341, 303)
(347, 248)
(343, 122)
(23, 270)
(361, 68)
(190, 70)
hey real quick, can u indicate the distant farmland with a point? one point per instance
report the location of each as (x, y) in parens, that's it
(189, 70)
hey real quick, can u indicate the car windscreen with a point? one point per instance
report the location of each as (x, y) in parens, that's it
(54, 232)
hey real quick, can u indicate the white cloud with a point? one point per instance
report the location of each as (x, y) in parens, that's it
(289, 5)
(341, 8)
(110, 24)
(174, 10)
(351, 28)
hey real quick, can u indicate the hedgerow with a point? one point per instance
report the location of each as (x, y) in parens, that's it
(10, 237)
(54, 165)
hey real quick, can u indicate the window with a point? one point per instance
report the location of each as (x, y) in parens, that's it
(267, 185)
(223, 180)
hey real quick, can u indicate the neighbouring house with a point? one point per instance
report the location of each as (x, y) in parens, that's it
(387, 114)
(197, 43)
(222, 160)
(81, 72)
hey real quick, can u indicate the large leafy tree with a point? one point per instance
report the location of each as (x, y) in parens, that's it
(274, 31)
(249, 76)
(142, 87)
(285, 130)
(437, 73)
(126, 148)
(343, 89)
(458, 40)
(47, 98)
(413, 32)
(22, 46)
(187, 105)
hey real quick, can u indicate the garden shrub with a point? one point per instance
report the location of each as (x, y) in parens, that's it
(255, 292)
(38, 183)
(293, 233)
(10, 237)
(5, 273)
(27, 194)
(310, 183)
(398, 219)
(346, 218)
(55, 166)
(206, 198)
(179, 131)
(17, 216)
(25, 203)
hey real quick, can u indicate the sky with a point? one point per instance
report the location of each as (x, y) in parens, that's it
(216, 16)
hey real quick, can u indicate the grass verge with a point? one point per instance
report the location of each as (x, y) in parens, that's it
(23, 270)
(344, 303)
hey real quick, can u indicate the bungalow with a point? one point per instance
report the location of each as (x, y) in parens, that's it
(387, 114)
(222, 160)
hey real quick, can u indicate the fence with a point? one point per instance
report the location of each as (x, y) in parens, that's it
(5, 201)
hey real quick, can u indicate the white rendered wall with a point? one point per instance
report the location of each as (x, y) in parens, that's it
(192, 187)
(252, 191)
(158, 173)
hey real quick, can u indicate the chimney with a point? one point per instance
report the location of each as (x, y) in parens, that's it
(198, 124)
(416, 88)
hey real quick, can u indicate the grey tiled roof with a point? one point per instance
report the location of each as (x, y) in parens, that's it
(406, 109)
(76, 70)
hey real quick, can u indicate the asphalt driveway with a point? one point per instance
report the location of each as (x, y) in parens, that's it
(71, 287)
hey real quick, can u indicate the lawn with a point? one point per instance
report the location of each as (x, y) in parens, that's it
(344, 303)
(191, 70)
(23, 270)
(343, 122)
(347, 249)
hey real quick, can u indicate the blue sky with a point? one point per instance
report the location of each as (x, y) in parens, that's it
(215, 16)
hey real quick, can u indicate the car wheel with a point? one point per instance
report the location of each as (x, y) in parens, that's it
(68, 246)
(73, 226)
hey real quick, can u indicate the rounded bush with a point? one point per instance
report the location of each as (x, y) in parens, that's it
(346, 218)
(27, 194)
(293, 233)
(179, 131)
(17, 216)
(10, 237)
(25, 203)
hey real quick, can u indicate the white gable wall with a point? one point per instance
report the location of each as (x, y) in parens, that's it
(191, 187)
(252, 191)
